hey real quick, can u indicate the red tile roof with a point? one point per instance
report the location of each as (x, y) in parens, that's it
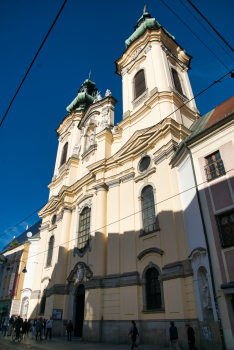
(220, 111)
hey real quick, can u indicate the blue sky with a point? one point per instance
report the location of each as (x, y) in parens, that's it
(88, 35)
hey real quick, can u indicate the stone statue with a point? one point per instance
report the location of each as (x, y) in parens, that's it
(206, 290)
(105, 123)
(80, 273)
(108, 93)
(25, 308)
(91, 137)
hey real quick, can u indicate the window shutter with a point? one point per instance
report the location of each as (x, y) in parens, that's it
(177, 81)
(64, 154)
(139, 83)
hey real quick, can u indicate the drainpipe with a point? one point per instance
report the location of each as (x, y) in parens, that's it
(208, 250)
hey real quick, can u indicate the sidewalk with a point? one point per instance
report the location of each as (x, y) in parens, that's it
(61, 343)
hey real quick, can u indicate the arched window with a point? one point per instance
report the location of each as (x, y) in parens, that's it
(64, 154)
(153, 290)
(84, 229)
(50, 251)
(177, 82)
(42, 303)
(139, 83)
(54, 218)
(148, 210)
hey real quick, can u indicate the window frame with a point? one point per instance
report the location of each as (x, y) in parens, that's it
(207, 164)
(52, 220)
(134, 84)
(63, 158)
(87, 246)
(142, 230)
(219, 225)
(145, 308)
(49, 253)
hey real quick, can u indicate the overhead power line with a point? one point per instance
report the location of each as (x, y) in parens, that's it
(126, 217)
(210, 25)
(127, 144)
(195, 35)
(32, 62)
(206, 29)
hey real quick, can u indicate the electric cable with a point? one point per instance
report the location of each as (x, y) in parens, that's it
(126, 217)
(206, 29)
(210, 25)
(127, 144)
(195, 34)
(33, 62)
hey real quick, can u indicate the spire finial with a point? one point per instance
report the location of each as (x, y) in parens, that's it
(144, 10)
(89, 73)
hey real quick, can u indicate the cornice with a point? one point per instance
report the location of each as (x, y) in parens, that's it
(105, 135)
(146, 174)
(150, 250)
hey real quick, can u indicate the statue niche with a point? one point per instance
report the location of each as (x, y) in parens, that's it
(205, 296)
(90, 137)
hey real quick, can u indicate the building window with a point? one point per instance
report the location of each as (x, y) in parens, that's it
(144, 164)
(148, 210)
(226, 228)
(53, 221)
(139, 83)
(214, 166)
(153, 290)
(177, 82)
(42, 303)
(64, 154)
(84, 229)
(50, 251)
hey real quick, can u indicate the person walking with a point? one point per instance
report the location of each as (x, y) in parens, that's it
(6, 324)
(17, 325)
(25, 328)
(133, 332)
(39, 328)
(2, 323)
(69, 330)
(34, 324)
(174, 335)
(191, 337)
(49, 324)
(11, 321)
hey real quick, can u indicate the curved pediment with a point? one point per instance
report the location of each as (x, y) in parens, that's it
(150, 250)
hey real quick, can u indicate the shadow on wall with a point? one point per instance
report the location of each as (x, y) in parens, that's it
(133, 247)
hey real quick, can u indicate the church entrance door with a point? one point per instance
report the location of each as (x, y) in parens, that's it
(80, 300)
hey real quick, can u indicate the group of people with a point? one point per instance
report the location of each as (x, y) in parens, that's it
(42, 328)
(174, 339)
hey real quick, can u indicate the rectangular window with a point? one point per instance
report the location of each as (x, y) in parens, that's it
(226, 229)
(214, 166)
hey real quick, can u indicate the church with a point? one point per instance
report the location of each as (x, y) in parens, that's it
(114, 243)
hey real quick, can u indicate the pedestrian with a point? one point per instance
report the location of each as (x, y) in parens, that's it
(34, 324)
(133, 332)
(191, 336)
(5, 324)
(17, 325)
(11, 321)
(43, 328)
(25, 328)
(69, 330)
(2, 323)
(174, 335)
(39, 328)
(29, 326)
(49, 324)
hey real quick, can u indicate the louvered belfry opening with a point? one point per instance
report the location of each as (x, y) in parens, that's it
(177, 81)
(139, 83)
(64, 154)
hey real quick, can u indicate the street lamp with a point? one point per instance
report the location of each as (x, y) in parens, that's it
(24, 269)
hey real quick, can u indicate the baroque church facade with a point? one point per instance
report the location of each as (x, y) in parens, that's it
(114, 243)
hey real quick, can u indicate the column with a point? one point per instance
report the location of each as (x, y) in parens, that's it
(99, 243)
(61, 268)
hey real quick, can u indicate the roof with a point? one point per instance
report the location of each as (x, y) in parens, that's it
(34, 229)
(210, 119)
(145, 22)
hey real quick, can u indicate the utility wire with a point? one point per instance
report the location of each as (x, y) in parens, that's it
(210, 25)
(126, 217)
(206, 29)
(195, 34)
(128, 144)
(32, 62)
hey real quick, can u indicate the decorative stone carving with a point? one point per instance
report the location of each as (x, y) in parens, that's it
(98, 97)
(124, 71)
(149, 47)
(206, 291)
(91, 137)
(108, 93)
(76, 149)
(86, 203)
(136, 53)
(79, 272)
(105, 123)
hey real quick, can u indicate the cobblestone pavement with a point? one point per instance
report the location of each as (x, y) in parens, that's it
(61, 343)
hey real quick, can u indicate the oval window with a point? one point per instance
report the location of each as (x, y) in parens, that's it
(144, 163)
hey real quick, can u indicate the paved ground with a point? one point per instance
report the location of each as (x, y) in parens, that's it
(61, 343)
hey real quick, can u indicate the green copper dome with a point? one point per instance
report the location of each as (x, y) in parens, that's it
(85, 97)
(145, 22)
